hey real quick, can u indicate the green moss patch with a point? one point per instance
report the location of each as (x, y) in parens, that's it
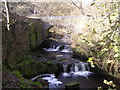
(17, 73)
(30, 67)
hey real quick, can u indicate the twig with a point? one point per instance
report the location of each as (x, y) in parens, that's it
(4, 14)
(80, 8)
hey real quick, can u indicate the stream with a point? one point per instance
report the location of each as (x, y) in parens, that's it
(72, 72)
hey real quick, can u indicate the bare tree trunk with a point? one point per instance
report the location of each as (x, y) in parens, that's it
(7, 12)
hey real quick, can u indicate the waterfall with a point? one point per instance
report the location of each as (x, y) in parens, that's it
(58, 48)
(71, 68)
(79, 66)
(66, 49)
(52, 48)
(76, 69)
(65, 74)
(83, 67)
(65, 67)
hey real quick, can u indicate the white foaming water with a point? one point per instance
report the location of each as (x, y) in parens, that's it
(65, 67)
(65, 50)
(57, 56)
(65, 75)
(43, 75)
(76, 69)
(83, 67)
(54, 85)
(78, 66)
(52, 49)
(53, 82)
(81, 73)
(50, 78)
(75, 74)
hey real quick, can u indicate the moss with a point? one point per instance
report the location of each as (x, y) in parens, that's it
(33, 40)
(33, 36)
(17, 73)
(37, 84)
(11, 66)
(48, 62)
(43, 83)
(29, 67)
(25, 67)
(32, 67)
(18, 81)
(25, 84)
(50, 67)
(39, 34)
(26, 62)
(32, 27)
(31, 84)
(26, 57)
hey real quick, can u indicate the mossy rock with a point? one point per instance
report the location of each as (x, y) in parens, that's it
(50, 67)
(43, 82)
(32, 67)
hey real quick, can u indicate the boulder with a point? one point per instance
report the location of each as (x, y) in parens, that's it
(31, 68)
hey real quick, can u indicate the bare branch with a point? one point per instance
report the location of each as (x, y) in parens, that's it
(80, 8)
(7, 12)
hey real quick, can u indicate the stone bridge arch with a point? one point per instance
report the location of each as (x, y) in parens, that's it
(46, 26)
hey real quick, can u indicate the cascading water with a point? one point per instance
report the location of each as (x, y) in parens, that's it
(52, 48)
(76, 69)
(66, 49)
(70, 70)
(65, 74)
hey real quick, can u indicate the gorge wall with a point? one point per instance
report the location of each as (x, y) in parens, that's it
(23, 36)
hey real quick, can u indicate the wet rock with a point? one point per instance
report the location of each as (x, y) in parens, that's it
(60, 68)
(71, 86)
(31, 68)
